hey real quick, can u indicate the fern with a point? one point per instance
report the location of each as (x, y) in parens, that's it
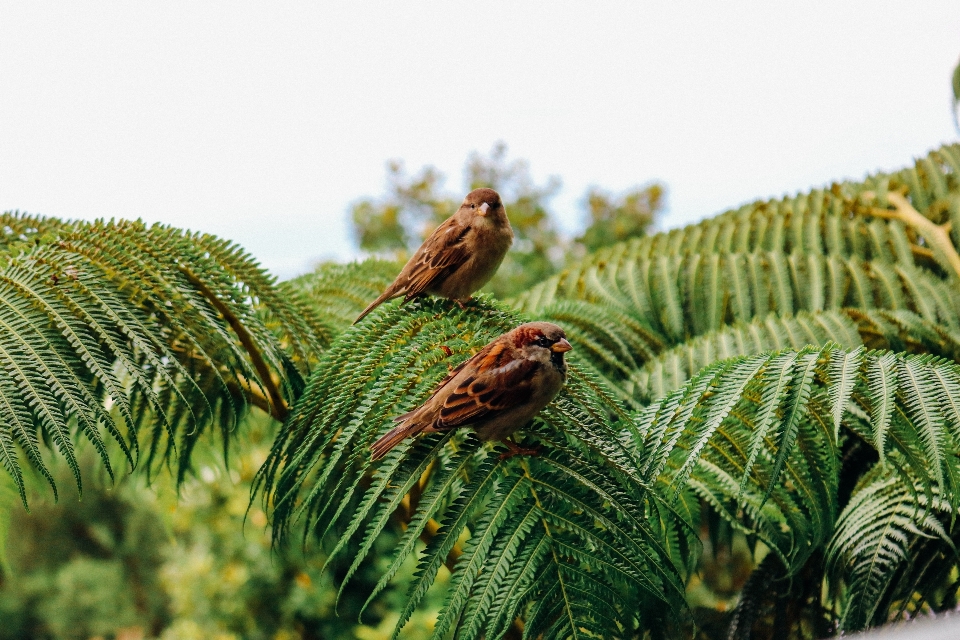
(160, 324)
(575, 517)
(876, 545)
(877, 329)
(722, 440)
(591, 537)
(824, 223)
(338, 293)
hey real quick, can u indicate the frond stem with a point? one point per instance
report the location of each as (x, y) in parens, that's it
(936, 235)
(278, 408)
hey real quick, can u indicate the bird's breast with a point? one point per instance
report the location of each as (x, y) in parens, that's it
(489, 246)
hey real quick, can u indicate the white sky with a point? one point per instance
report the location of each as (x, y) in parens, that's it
(261, 123)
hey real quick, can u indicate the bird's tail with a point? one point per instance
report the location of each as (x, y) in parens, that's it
(392, 438)
(386, 295)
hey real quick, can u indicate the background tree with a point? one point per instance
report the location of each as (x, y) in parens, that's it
(617, 218)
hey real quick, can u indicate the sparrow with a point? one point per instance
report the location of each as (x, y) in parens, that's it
(497, 391)
(459, 257)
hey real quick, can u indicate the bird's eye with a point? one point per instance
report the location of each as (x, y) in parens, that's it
(542, 341)
(473, 206)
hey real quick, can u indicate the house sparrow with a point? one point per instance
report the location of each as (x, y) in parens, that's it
(497, 391)
(459, 257)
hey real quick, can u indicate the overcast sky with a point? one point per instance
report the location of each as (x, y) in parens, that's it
(262, 123)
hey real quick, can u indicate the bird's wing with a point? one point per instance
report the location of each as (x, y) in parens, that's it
(486, 386)
(444, 251)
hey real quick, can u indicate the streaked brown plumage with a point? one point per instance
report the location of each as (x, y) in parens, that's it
(459, 257)
(497, 391)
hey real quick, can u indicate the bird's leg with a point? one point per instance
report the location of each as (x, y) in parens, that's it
(513, 449)
(462, 303)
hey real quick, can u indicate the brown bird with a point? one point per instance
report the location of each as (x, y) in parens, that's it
(459, 257)
(496, 391)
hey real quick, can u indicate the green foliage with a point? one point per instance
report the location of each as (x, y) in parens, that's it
(177, 562)
(878, 551)
(615, 219)
(956, 94)
(8, 502)
(570, 536)
(337, 293)
(84, 567)
(786, 371)
(116, 329)
(812, 268)
(778, 362)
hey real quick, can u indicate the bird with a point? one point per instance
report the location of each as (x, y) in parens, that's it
(497, 391)
(459, 257)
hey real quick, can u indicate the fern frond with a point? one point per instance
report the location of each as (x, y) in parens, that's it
(528, 519)
(113, 329)
(807, 225)
(733, 430)
(875, 544)
(622, 336)
(337, 293)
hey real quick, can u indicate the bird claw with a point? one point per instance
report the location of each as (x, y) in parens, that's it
(513, 449)
(462, 303)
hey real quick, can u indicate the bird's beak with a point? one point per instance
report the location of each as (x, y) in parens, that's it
(484, 208)
(562, 346)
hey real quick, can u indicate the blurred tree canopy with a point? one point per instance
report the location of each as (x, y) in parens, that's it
(394, 225)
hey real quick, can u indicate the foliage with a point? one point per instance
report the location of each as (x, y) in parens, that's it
(785, 375)
(956, 94)
(86, 567)
(337, 293)
(161, 324)
(396, 224)
(177, 562)
(568, 530)
(724, 341)
(617, 218)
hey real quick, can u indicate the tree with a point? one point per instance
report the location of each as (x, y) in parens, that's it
(616, 219)
(783, 376)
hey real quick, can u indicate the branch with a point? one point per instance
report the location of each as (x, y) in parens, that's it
(278, 408)
(935, 235)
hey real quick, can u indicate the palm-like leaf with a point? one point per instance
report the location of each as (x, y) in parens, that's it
(113, 329)
(566, 532)
(759, 438)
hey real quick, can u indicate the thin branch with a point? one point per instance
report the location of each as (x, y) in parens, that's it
(936, 236)
(279, 408)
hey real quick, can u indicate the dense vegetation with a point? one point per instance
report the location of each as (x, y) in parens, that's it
(778, 385)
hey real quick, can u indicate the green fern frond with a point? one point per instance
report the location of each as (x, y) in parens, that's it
(337, 293)
(576, 514)
(876, 542)
(756, 436)
(850, 327)
(671, 369)
(784, 283)
(21, 232)
(112, 329)
(821, 224)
